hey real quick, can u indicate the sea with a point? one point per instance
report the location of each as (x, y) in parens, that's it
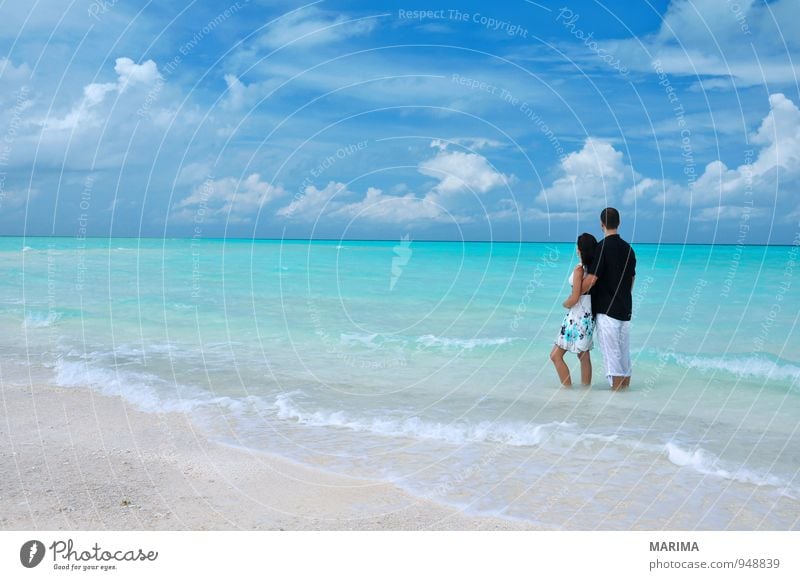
(426, 364)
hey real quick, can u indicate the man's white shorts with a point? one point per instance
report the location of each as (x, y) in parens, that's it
(614, 338)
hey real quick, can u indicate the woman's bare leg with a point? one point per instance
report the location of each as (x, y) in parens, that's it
(557, 356)
(586, 368)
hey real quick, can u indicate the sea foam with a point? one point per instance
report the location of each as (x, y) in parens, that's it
(430, 340)
(751, 366)
(706, 463)
(513, 433)
(37, 319)
(146, 391)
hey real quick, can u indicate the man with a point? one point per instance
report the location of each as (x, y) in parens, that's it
(610, 279)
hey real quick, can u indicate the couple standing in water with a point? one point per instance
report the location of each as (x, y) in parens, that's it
(600, 306)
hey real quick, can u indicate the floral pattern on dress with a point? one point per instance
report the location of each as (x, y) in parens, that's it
(577, 329)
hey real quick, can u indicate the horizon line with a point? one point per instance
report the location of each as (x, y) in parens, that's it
(241, 238)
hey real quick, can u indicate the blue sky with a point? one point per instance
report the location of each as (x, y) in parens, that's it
(471, 120)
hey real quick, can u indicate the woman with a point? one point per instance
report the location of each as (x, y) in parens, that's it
(578, 326)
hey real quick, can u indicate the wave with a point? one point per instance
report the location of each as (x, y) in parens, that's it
(514, 433)
(26, 248)
(430, 340)
(151, 393)
(38, 319)
(137, 353)
(754, 366)
(707, 463)
(360, 339)
(555, 436)
(141, 389)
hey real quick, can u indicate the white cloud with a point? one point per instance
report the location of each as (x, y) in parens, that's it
(460, 175)
(719, 38)
(710, 84)
(368, 77)
(727, 212)
(193, 173)
(236, 92)
(312, 27)
(467, 143)
(592, 177)
(11, 75)
(129, 74)
(659, 191)
(15, 198)
(510, 209)
(334, 201)
(228, 199)
(597, 175)
(723, 44)
(95, 93)
(460, 172)
(779, 134)
(313, 202)
(376, 206)
(774, 168)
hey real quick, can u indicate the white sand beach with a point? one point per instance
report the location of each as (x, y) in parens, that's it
(73, 459)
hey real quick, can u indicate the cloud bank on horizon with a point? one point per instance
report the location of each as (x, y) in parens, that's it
(368, 120)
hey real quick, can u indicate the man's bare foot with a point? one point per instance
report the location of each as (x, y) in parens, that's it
(620, 383)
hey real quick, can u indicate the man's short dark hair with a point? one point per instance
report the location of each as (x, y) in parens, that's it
(610, 218)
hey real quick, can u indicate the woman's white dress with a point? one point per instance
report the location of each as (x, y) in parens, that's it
(577, 328)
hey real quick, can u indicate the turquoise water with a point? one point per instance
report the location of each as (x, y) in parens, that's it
(426, 364)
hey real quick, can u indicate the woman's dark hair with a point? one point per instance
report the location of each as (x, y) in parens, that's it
(587, 244)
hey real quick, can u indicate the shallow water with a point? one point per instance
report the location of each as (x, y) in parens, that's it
(426, 364)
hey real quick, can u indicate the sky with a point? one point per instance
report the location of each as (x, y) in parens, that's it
(503, 121)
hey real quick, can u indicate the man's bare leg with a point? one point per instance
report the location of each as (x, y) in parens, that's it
(626, 382)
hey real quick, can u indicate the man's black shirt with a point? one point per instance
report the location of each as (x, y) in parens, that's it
(615, 266)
